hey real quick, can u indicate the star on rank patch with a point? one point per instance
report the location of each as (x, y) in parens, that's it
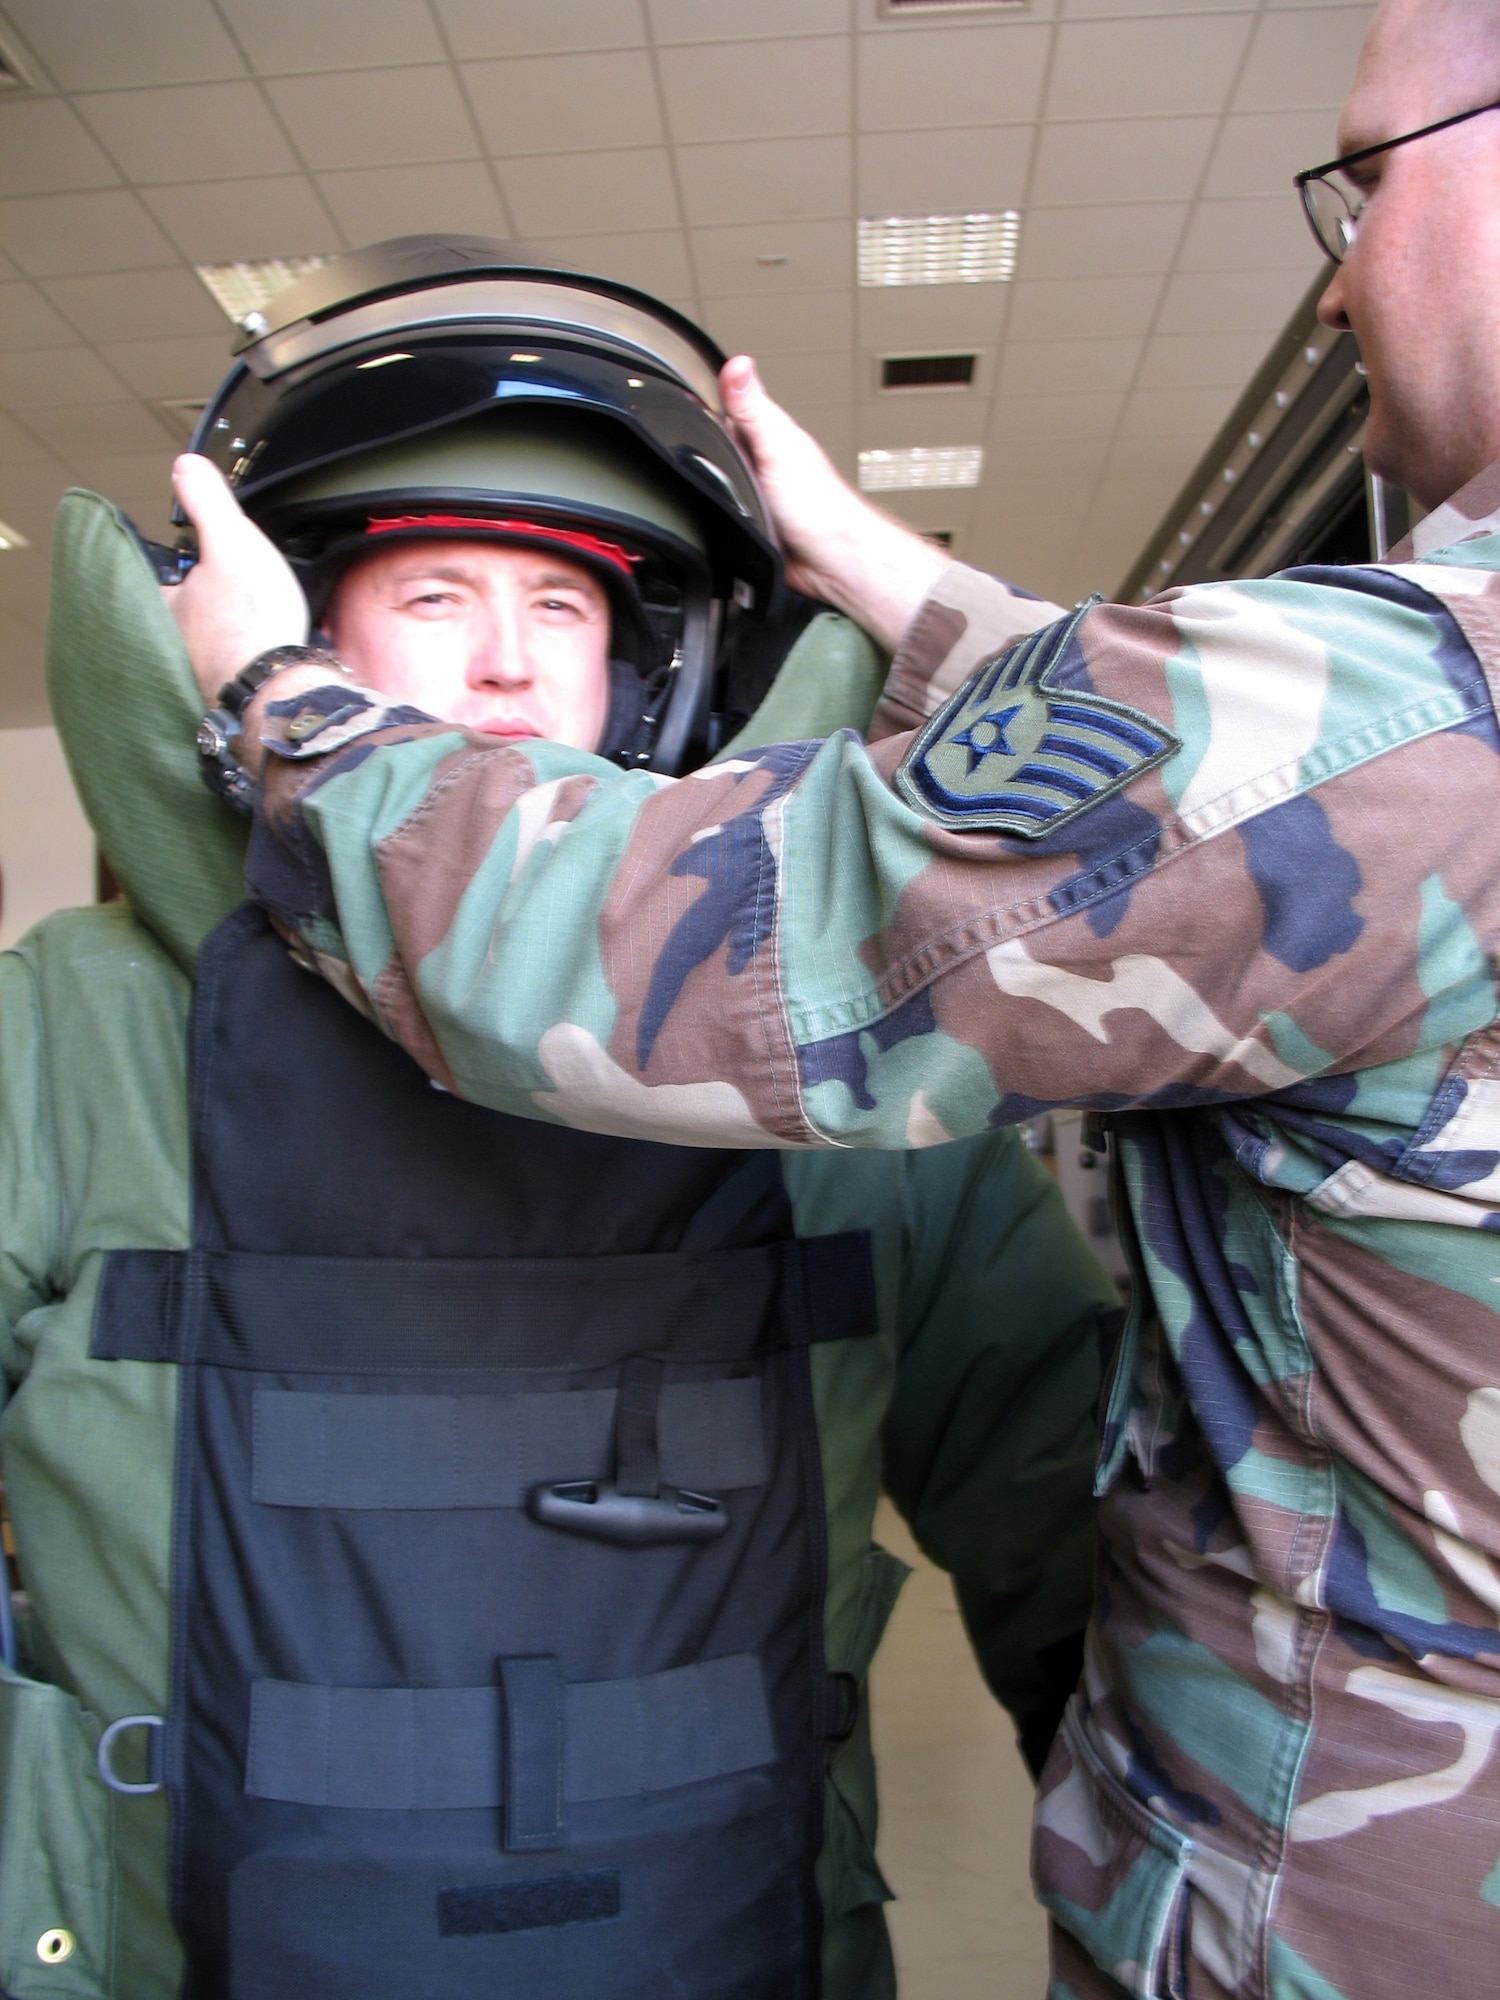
(1012, 753)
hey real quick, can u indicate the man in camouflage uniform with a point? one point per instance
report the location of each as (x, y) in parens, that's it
(1222, 866)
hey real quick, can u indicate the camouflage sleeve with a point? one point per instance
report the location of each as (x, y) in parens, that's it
(30, 1194)
(1191, 851)
(990, 1437)
(967, 618)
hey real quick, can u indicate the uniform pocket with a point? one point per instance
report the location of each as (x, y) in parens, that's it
(56, 1879)
(1112, 1873)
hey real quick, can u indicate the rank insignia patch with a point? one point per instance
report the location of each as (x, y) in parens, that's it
(1009, 753)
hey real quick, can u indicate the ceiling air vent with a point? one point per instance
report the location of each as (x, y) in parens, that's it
(927, 371)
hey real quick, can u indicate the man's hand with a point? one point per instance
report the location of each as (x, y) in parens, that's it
(838, 548)
(241, 597)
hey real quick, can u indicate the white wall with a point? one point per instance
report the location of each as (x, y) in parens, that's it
(46, 844)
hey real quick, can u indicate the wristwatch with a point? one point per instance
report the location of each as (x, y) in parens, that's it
(218, 732)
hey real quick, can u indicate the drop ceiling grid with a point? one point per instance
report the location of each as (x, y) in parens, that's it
(1147, 143)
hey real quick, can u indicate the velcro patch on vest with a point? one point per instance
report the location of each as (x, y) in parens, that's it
(546, 1902)
(1015, 752)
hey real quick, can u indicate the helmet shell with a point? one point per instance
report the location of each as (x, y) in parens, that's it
(413, 336)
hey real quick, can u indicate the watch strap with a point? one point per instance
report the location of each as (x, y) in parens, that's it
(237, 694)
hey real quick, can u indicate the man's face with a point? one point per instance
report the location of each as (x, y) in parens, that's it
(1421, 284)
(513, 642)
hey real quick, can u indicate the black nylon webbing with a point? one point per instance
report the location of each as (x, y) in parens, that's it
(383, 1315)
(383, 1451)
(440, 1749)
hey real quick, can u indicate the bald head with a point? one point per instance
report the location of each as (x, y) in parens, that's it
(1421, 285)
(1422, 60)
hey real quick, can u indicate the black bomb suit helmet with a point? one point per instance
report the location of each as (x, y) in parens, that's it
(453, 385)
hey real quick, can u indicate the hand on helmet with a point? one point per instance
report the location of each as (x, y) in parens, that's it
(241, 597)
(838, 548)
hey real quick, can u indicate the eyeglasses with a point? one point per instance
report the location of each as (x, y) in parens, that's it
(1333, 211)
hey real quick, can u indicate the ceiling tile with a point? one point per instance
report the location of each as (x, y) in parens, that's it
(42, 377)
(144, 474)
(225, 220)
(1100, 242)
(27, 320)
(944, 173)
(1067, 308)
(1152, 460)
(1095, 10)
(92, 47)
(1258, 154)
(375, 118)
(1051, 367)
(1195, 413)
(820, 256)
(756, 90)
(732, 20)
(18, 446)
(200, 131)
(375, 202)
(44, 149)
(137, 305)
(193, 365)
(28, 500)
(1201, 360)
(1135, 159)
(654, 260)
(811, 378)
(1229, 301)
(566, 103)
(1086, 412)
(284, 37)
(100, 428)
(958, 74)
(1034, 463)
(51, 234)
(890, 423)
(533, 27)
(584, 193)
(931, 319)
(793, 323)
(1302, 59)
(1141, 68)
(769, 180)
(1261, 235)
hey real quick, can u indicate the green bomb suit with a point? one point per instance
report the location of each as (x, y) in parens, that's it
(973, 1400)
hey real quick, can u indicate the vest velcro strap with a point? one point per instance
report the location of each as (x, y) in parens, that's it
(387, 1451)
(452, 1749)
(384, 1315)
(533, 1764)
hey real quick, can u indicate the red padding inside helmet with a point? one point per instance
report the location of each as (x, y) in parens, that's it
(471, 524)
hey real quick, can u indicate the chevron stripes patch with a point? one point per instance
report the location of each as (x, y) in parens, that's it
(1010, 754)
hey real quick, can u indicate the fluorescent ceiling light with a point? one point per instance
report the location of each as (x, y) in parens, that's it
(246, 288)
(922, 466)
(938, 249)
(12, 538)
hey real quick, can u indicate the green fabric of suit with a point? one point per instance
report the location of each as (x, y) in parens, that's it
(974, 1402)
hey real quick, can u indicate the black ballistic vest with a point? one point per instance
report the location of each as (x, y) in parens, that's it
(499, 1555)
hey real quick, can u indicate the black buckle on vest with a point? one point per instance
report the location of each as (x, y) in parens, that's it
(634, 1507)
(843, 1708)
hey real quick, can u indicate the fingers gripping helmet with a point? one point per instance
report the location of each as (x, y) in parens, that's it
(433, 382)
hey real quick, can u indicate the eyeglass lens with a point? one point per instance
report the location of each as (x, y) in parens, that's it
(1334, 214)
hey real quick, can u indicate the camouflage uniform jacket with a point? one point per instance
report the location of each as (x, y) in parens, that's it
(1257, 923)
